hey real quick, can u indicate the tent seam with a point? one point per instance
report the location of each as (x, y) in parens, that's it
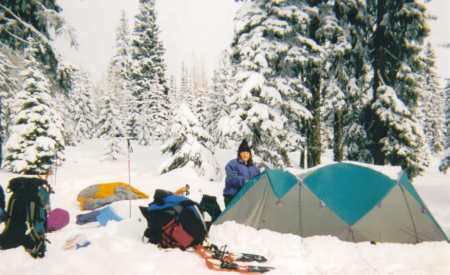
(409, 212)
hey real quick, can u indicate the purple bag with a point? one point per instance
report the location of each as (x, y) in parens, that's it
(57, 219)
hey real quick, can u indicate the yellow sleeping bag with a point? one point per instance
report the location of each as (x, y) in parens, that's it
(98, 195)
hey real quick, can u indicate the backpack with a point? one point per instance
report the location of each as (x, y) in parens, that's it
(209, 205)
(173, 221)
(26, 215)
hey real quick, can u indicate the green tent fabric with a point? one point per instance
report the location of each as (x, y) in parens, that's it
(352, 202)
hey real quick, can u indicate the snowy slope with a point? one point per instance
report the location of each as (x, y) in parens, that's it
(117, 248)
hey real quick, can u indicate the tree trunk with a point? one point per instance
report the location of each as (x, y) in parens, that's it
(376, 130)
(315, 143)
(338, 136)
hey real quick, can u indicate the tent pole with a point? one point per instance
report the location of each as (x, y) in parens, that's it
(55, 167)
(409, 212)
(300, 224)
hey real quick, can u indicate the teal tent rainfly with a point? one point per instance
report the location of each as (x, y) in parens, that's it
(349, 201)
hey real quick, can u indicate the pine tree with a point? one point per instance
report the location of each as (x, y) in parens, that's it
(35, 142)
(359, 61)
(447, 113)
(81, 107)
(445, 162)
(347, 77)
(113, 149)
(151, 110)
(76, 104)
(433, 106)
(173, 88)
(8, 84)
(278, 69)
(200, 106)
(189, 146)
(199, 76)
(109, 124)
(186, 86)
(392, 118)
(132, 119)
(23, 19)
(119, 71)
(223, 87)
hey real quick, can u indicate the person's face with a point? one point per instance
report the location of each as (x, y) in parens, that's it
(245, 156)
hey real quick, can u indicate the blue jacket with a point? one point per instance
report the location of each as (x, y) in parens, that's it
(236, 174)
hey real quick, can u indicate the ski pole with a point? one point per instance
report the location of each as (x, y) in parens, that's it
(55, 167)
(130, 150)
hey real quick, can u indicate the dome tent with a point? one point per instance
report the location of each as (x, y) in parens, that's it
(351, 202)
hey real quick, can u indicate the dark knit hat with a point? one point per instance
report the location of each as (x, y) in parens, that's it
(244, 147)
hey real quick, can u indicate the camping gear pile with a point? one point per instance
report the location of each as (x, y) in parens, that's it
(98, 197)
(174, 221)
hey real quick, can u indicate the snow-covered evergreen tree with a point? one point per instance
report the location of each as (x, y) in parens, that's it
(279, 64)
(113, 150)
(82, 106)
(200, 98)
(132, 119)
(445, 162)
(393, 117)
(119, 70)
(347, 76)
(8, 85)
(447, 112)
(200, 106)
(35, 142)
(199, 76)
(173, 89)
(150, 112)
(110, 122)
(190, 145)
(334, 76)
(40, 20)
(223, 86)
(76, 105)
(433, 104)
(185, 93)
(403, 143)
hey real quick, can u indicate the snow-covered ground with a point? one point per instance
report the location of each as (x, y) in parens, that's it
(117, 249)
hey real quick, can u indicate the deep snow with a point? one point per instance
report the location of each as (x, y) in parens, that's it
(117, 249)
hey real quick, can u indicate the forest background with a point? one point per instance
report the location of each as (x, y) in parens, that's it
(298, 78)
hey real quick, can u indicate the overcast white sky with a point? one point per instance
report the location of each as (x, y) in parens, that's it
(440, 34)
(190, 29)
